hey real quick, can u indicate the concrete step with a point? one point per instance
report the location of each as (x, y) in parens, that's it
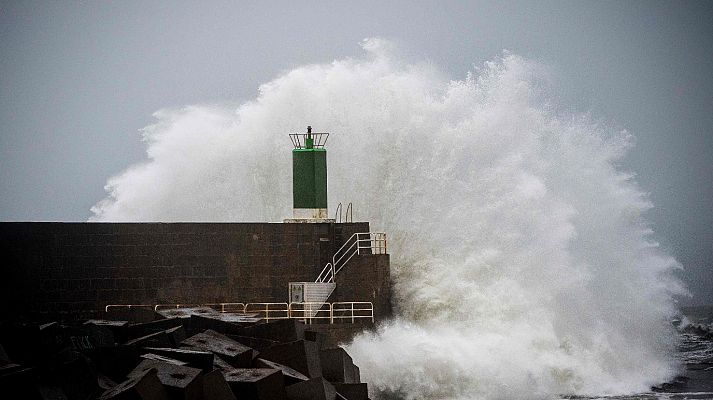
(317, 294)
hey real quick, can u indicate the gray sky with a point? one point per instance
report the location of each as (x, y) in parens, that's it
(78, 79)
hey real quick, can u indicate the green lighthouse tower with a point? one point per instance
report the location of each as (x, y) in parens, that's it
(309, 176)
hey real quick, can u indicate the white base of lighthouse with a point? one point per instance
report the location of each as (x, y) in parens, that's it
(309, 215)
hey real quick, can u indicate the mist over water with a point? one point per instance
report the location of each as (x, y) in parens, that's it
(522, 264)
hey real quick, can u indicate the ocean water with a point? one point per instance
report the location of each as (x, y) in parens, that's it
(522, 261)
(695, 355)
(695, 352)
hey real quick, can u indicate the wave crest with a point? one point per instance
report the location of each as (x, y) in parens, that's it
(522, 265)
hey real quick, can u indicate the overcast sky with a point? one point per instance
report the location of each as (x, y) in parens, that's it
(79, 79)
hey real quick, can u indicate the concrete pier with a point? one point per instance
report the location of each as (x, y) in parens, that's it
(73, 270)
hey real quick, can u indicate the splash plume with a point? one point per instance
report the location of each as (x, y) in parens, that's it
(523, 266)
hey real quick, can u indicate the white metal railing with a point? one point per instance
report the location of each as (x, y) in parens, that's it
(268, 311)
(222, 307)
(358, 243)
(342, 311)
(311, 310)
(327, 274)
(228, 307)
(172, 306)
(348, 215)
(352, 310)
(128, 306)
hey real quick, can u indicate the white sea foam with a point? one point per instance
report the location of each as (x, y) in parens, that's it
(522, 265)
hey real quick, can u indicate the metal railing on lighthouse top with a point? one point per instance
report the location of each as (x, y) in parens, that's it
(309, 140)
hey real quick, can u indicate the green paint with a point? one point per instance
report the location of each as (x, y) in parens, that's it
(309, 177)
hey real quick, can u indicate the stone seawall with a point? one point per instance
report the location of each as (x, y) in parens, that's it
(71, 270)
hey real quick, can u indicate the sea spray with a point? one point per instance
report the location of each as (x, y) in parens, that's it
(522, 265)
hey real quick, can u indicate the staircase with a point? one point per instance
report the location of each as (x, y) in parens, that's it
(314, 295)
(358, 243)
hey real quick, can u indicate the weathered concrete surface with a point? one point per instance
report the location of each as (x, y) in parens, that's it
(256, 383)
(338, 334)
(66, 272)
(145, 386)
(352, 391)
(301, 355)
(181, 382)
(313, 389)
(337, 366)
(285, 330)
(215, 387)
(235, 353)
(290, 375)
(71, 270)
(63, 361)
(194, 358)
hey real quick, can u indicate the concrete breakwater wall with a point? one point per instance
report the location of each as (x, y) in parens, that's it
(72, 270)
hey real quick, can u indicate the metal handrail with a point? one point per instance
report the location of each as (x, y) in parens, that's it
(327, 274)
(369, 308)
(283, 312)
(339, 213)
(329, 271)
(239, 307)
(377, 241)
(129, 306)
(348, 213)
(310, 311)
(354, 309)
(345, 254)
(171, 306)
(376, 244)
(221, 307)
